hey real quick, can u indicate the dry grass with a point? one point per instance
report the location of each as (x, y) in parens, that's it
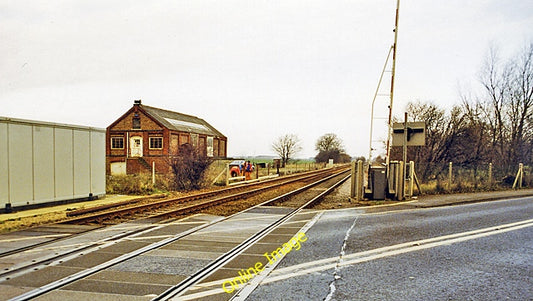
(35, 217)
(20, 223)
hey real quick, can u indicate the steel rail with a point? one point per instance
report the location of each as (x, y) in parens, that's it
(85, 273)
(40, 244)
(193, 207)
(18, 270)
(230, 255)
(185, 198)
(183, 210)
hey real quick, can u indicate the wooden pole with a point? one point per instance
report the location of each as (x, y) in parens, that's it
(153, 172)
(490, 174)
(450, 174)
(521, 168)
(227, 174)
(411, 178)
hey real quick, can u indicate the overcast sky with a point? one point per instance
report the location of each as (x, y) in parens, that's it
(254, 69)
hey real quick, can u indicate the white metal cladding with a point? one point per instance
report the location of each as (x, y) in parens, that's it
(4, 180)
(43, 162)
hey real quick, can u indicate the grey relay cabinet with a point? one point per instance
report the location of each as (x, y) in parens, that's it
(43, 162)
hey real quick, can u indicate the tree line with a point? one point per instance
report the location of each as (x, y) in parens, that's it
(329, 146)
(494, 125)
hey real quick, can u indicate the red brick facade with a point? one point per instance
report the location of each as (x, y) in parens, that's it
(146, 135)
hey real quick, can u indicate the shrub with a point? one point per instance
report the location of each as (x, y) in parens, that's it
(140, 184)
(189, 168)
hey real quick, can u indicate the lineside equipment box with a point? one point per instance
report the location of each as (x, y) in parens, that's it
(42, 162)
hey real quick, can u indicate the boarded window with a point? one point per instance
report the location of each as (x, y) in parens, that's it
(222, 148)
(174, 144)
(194, 140)
(201, 146)
(215, 147)
(156, 142)
(136, 123)
(184, 139)
(117, 142)
(210, 146)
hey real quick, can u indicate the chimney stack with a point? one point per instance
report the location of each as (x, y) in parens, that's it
(137, 102)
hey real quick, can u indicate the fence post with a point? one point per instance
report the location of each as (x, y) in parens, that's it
(411, 178)
(450, 174)
(227, 174)
(519, 176)
(153, 172)
(490, 174)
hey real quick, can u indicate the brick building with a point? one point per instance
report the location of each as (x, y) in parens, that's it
(145, 135)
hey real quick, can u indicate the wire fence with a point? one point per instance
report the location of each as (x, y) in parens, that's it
(463, 178)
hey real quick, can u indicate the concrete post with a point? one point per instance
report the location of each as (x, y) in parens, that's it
(360, 180)
(354, 180)
(357, 175)
(401, 181)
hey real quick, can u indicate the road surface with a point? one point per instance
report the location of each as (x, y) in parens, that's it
(481, 251)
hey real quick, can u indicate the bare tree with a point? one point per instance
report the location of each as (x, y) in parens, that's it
(496, 126)
(286, 147)
(508, 107)
(494, 77)
(521, 105)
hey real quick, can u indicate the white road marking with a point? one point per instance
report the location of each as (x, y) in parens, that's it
(365, 256)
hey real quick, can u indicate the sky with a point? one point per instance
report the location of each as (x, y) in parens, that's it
(255, 70)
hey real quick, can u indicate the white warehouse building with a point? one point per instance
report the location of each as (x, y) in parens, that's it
(43, 162)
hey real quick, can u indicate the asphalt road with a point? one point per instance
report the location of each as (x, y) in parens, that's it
(481, 251)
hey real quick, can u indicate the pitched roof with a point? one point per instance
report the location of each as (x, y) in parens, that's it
(181, 122)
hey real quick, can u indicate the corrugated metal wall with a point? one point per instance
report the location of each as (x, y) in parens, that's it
(45, 162)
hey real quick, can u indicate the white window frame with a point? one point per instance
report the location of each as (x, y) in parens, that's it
(150, 142)
(117, 137)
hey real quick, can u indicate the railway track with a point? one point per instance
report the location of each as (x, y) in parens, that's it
(84, 241)
(154, 210)
(306, 201)
(178, 206)
(310, 193)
